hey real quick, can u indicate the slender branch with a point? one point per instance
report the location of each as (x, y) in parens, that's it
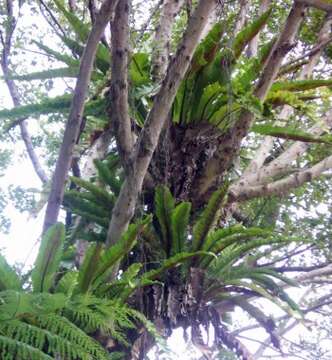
(324, 5)
(161, 42)
(76, 113)
(283, 186)
(119, 109)
(124, 208)
(14, 93)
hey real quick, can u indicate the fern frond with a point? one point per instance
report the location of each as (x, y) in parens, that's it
(48, 259)
(11, 349)
(208, 218)
(164, 205)
(9, 280)
(249, 32)
(101, 195)
(107, 176)
(179, 223)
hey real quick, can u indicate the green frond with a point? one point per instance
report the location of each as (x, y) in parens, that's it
(9, 280)
(234, 253)
(88, 347)
(208, 218)
(101, 195)
(289, 134)
(47, 74)
(114, 254)
(48, 259)
(74, 200)
(219, 241)
(81, 29)
(172, 262)
(179, 224)
(11, 349)
(208, 47)
(164, 205)
(67, 283)
(88, 268)
(59, 104)
(107, 176)
(70, 61)
(249, 32)
(300, 85)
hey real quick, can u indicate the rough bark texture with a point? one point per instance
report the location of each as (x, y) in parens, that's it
(76, 113)
(149, 136)
(161, 42)
(119, 108)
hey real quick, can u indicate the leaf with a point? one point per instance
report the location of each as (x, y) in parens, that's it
(179, 224)
(208, 218)
(164, 205)
(249, 32)
(208, 47)
(9, 280)
(173, 262)
(70, 72)
(89, 268)
(114, 254)
(70, 61)
(107, 176)
(101, 195)
(289, 134)
(59, 104)
(139, 69)
(300, 85)
(48, 258)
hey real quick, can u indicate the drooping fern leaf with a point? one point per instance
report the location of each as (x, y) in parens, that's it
(48, 259)
(249, 32)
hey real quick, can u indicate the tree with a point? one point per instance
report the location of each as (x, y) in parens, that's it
(203, 132)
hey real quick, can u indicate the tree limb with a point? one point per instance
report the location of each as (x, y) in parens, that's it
(161, 42)
(119, 109)
(76, 112)
(283, 186)
(230, 141)
(13, 91)
(124, 208)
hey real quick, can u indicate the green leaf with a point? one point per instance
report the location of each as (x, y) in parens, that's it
(70, 61)
(179, 223)
(59, 104)
(9, 280)
(114, 254)
(300, 85)
(289, 134)
(249, 32)
(164, 205)
(48, 259)
(89, 268)
(208, 217)
(65, 72)
(107, 176)
(208, 47)
(101, 195)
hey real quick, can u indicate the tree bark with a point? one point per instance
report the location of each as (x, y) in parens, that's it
(76, 113)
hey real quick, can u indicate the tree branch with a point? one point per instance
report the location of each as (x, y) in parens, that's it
(161, 42)
(124, 208)
(76, 112)
(230, 141)
(13, 91)
(283, 186)
(119, 109)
